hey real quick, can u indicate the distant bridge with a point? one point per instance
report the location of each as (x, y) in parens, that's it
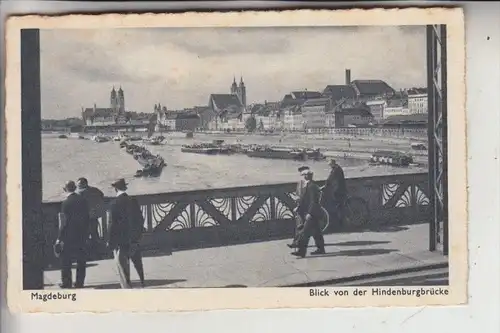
(116, 127)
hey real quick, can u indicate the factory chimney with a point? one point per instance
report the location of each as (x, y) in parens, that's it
(347, 76)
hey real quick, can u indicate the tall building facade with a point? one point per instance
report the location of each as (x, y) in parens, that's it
(240, 91)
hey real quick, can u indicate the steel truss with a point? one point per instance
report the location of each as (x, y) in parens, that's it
(438, 135)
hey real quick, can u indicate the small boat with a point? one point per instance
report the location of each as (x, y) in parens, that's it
(315, 154)
(62, 136)
(135, 138)
(120, 137)
(418, 146)
(152, 166)
(394, 158)
(154, 141)
(149, 172)
(100, 139)
(147, 161)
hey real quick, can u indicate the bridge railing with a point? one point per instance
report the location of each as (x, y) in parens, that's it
(223, 216)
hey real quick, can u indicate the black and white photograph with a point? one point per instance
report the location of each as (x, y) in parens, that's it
(311, 158)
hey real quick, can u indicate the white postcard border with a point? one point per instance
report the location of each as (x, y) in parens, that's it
(246, 298)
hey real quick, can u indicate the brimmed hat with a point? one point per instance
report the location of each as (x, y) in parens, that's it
(306, 172)
(302, 168)
(119, 184)
(70, 186)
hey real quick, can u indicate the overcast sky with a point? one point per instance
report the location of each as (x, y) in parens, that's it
(182, 67)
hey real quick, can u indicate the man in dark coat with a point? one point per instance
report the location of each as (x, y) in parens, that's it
(136, 230)
(335, 192)
(73, 234)
(119, 231)
(95, 200)
(310, 210)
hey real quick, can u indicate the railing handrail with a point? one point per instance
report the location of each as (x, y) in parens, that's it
(203, 193)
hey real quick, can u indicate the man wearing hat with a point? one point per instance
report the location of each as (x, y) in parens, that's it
(335, 192)
(73, 233)
(311, 212)
(95, 200)
(119, 231)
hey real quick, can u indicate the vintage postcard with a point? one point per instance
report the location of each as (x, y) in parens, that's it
(200, 161)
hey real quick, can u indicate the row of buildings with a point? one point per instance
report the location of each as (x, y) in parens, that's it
(353, 104)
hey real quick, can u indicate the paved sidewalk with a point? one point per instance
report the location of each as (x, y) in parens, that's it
(269, 264)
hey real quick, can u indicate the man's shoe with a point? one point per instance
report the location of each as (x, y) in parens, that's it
(298, 254)
(292, 246)
(318, 251)
(64, 286)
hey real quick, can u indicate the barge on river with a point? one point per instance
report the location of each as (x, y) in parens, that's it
(286, 153)
(213, 148)
(199, 149)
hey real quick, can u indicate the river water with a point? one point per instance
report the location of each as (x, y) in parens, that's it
(101, 163)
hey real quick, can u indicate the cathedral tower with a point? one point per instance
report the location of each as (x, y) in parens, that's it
(121, 101)
(113, 102)
(242, 92)
(234, 87)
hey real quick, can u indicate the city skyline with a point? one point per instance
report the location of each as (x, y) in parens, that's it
(180, 68)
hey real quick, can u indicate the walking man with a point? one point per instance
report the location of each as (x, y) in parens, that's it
(298, 220)
(136, 230)
(310, 210)
(335, 192)
(120, 231)
(73, 233)
(95, 200)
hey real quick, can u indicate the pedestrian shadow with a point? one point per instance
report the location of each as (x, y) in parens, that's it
(354, 253)
(388, 228)
(355, 243)
(56, 267)
(154, 283)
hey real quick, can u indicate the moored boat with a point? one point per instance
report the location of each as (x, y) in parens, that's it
(152, 166)
(315, 154)
(277, 153)
(394, 158)
(100, 139)
(154, 141)
(200, 149)
(418, 146)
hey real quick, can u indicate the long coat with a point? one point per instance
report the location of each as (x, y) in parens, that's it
(309, 201)
(335, 186)
(119, 222)
(76, 228)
